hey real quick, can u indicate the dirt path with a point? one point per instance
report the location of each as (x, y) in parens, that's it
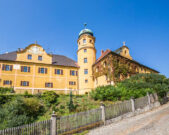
(154, 122)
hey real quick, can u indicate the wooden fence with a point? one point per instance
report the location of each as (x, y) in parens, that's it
(80, 121)
(40, 128)
(141, 102)
(118, 109)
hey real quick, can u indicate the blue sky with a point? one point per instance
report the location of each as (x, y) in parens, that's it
(55, 24)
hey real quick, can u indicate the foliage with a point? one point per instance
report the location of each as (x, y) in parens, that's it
(156, 82)
(120, 69)
(136, 86)
(4, 90)
(5, 98)
(20, 111)
(71, 105)
(104, 93)
(50, 98)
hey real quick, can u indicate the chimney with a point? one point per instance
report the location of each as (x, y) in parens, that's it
(102, 52)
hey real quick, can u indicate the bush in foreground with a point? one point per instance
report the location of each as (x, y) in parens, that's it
(136, 86)
(20, 111)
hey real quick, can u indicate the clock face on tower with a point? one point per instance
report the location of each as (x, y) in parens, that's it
(35, 50)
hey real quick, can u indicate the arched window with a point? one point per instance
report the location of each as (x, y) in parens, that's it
(104, 64)
(125, 52)
(84, 41)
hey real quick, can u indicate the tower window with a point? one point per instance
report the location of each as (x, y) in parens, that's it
(29, 57)
(86, 81)
(84, 41)
(85, 71)
(85, 50)
(85, 60)
(90, 41)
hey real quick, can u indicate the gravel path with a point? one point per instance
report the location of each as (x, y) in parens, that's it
(154, 122)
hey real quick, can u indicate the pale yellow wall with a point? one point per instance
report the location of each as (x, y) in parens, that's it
(102, 81)
(36, 80)
(91, 57)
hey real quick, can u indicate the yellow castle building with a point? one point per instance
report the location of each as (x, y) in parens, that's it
(34, 70)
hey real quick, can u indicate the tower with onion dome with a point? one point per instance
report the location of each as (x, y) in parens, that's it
(86, 56)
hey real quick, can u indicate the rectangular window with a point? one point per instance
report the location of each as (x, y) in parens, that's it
(7, 82)
(40, 58)
(85, 50)
(25, 69)
(42, 70)
(59, 71)
(85, 60)
(86, 81)
(24, 83)
(7, 67)
(49, 85)
(72, 83)
(73, 73)
(29, 56)
(85, 71)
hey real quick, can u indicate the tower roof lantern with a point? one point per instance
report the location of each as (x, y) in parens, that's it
(85, 31)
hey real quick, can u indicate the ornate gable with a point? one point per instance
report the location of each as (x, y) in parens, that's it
(34, 53)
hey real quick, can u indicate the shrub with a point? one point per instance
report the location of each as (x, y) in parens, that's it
(150, 82)
(104, 93)
(50, 97)
(20, 111)
(136, 86)
(4, 90)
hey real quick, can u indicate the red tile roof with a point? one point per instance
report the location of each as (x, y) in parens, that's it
(103, 54)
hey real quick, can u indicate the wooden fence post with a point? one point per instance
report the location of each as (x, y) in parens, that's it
(54, 124)
(132, 104)
(149, 100)
(102, 106)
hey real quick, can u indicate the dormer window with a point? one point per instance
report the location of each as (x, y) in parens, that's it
(40, 58)
(29, 57)
(125, 52)
(84, 41)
